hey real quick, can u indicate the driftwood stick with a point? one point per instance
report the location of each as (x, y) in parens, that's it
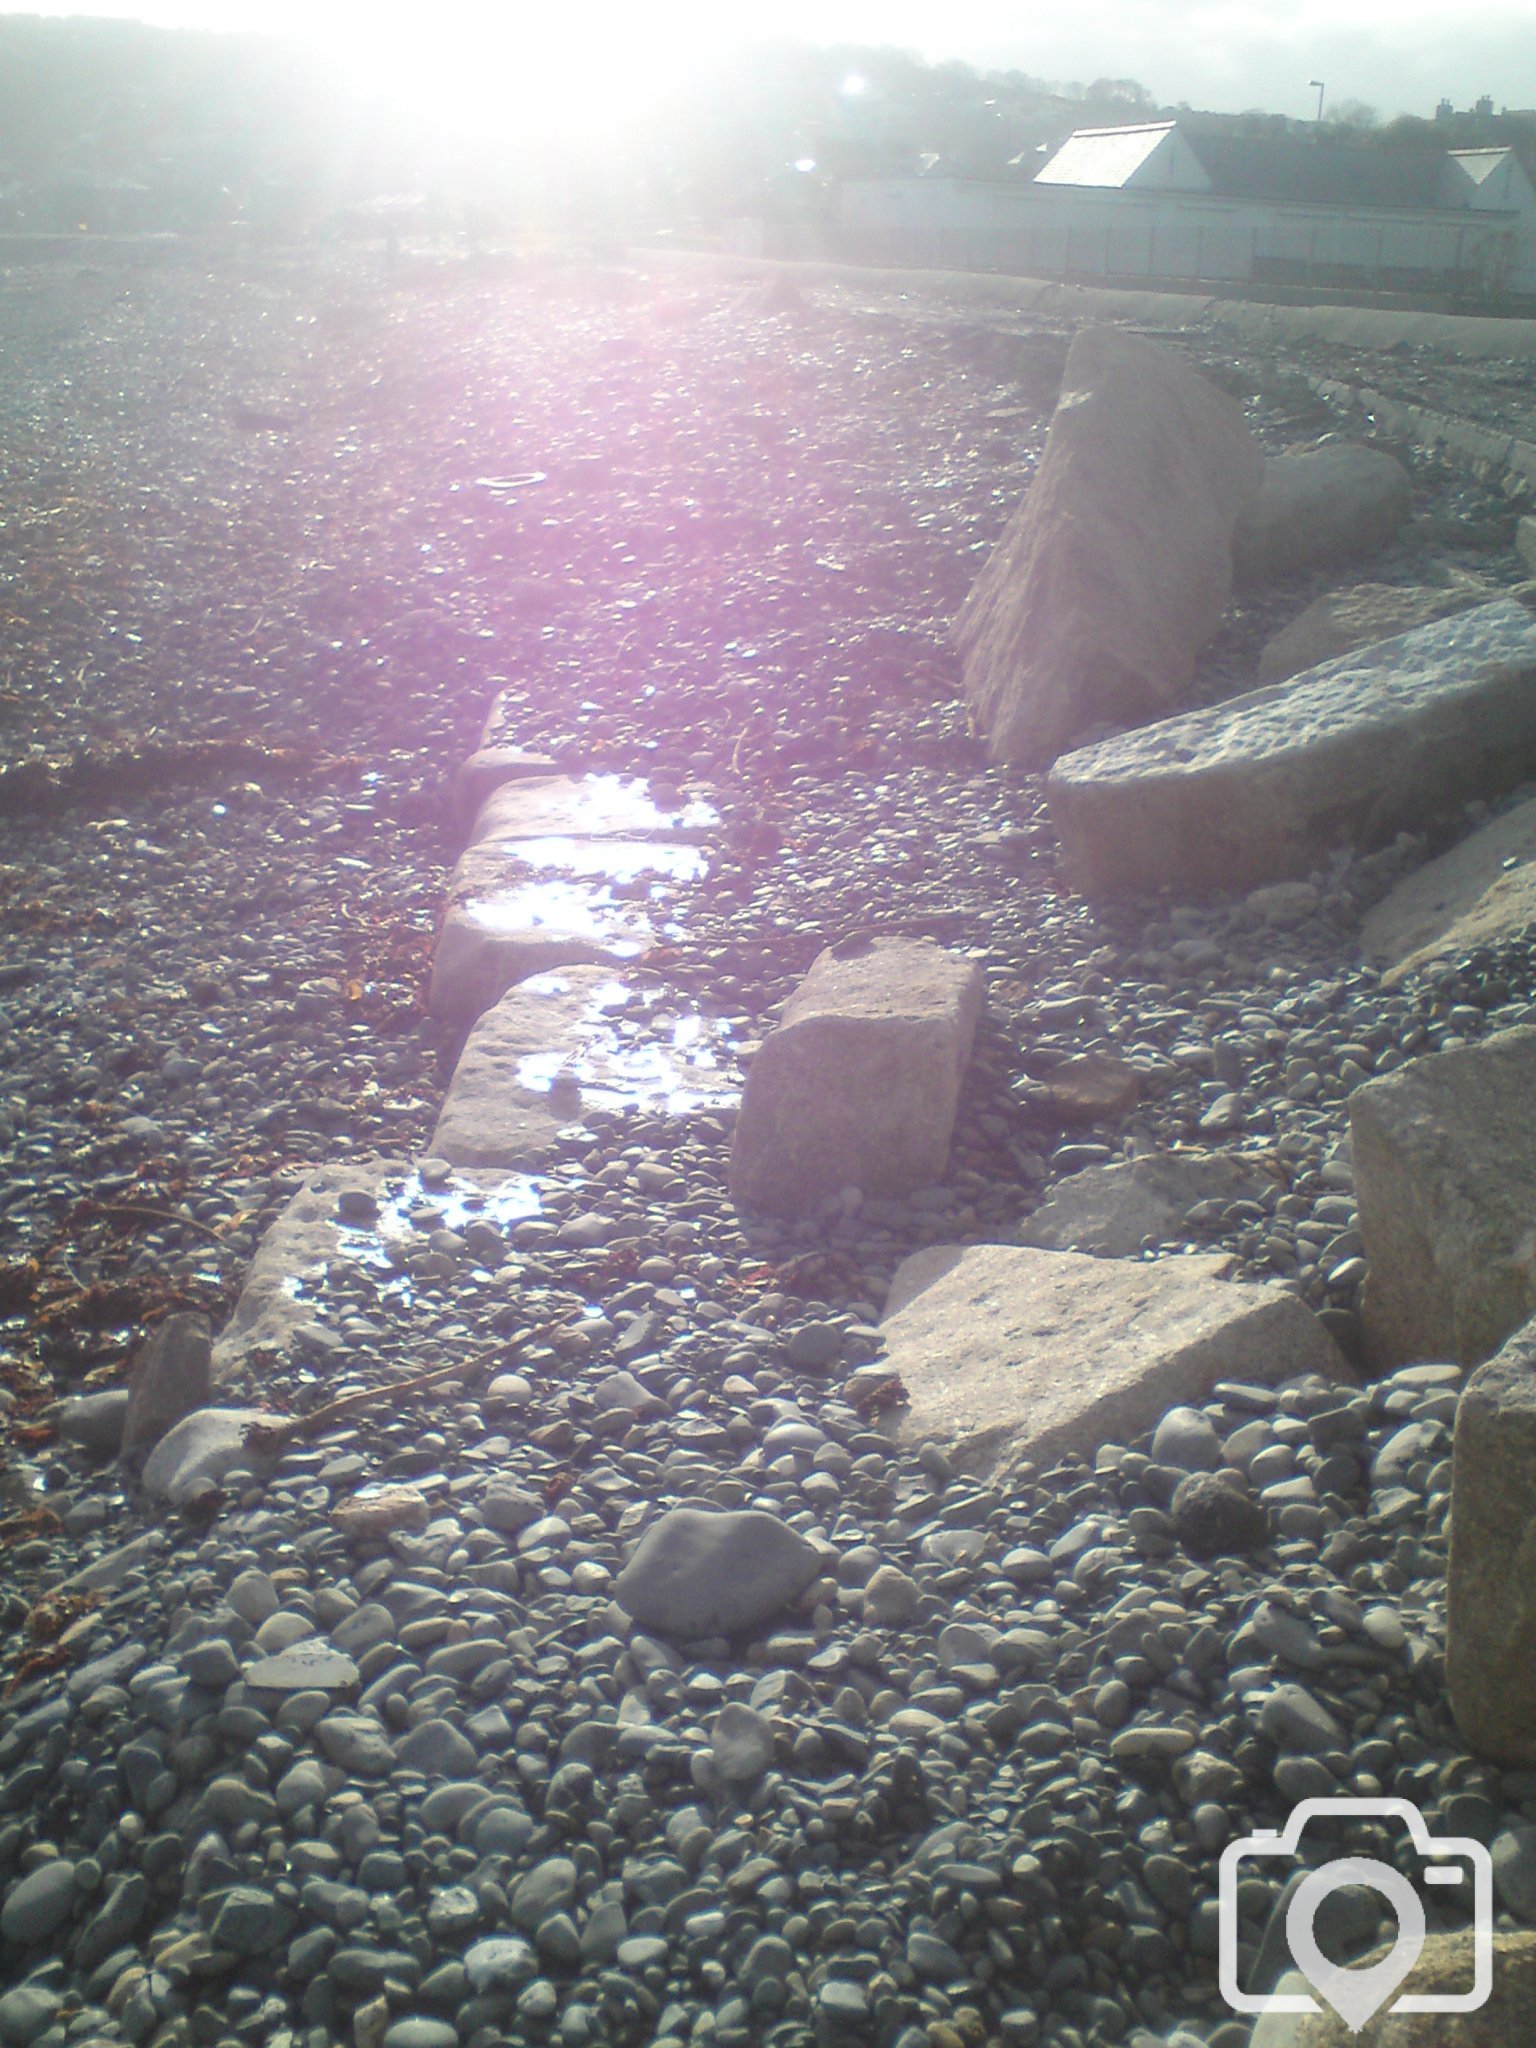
(271, 1437)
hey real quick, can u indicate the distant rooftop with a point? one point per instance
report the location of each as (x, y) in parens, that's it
(1106, 156)
(1320, 169)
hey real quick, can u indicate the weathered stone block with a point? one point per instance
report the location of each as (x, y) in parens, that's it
(1445, 1180)
(1481, 893)
(858, 1085)
(551, 1048)
(484, 772)
(1490, 1663)
(1264, 785)
(1361, 615)
(1010, 1353)
(560, 871)
(1116, 569)
(1445, 1968)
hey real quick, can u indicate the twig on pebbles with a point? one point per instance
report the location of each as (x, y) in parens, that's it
(271, 1438)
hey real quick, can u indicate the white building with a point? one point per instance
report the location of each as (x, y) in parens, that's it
(1150, 202)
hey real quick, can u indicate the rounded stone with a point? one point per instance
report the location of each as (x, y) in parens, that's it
(1214, 1515)
(38, 1906)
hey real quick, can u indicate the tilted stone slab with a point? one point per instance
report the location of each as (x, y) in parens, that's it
(562, 1043)
(1111, 1210)
(1321, 505)
(1265, 784)
(1362, 614)
(1115, 571)
(1481, 893)
(858, 1084)
(1444, 1968)
(560, 871)
(1491, 1586)
(358, 1216)
(1010, 1353)
(1445, 1183)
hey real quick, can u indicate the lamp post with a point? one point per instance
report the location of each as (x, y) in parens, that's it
(1318, 84)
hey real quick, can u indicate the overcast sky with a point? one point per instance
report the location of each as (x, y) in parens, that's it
(1399, 56)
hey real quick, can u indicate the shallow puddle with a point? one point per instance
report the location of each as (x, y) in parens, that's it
(588, 806)
(637, 1048)
(408, 1211)
(578, 888)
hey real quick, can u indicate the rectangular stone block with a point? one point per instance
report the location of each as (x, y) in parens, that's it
(1009, 1353)
(560, 871)
(1445, 1180)
(1264, 785)
(351, 1223)
(565, 1042)
(858, 1084)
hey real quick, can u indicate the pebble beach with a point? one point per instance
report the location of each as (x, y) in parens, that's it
(365, 1747)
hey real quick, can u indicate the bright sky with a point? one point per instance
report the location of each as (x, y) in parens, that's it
(1399, 56)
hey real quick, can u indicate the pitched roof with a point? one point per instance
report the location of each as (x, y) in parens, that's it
(1322, 170)
(1479, 163)
(1104, 156)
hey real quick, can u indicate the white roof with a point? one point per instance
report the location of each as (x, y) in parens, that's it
(1104, 156)
(1479, 163)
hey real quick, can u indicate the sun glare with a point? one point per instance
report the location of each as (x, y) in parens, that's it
(579, 74)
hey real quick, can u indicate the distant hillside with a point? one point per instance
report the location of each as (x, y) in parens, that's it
(117, 126)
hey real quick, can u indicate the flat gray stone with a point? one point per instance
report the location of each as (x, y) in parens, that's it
(510, 918)
(356, 1743)
(276, 1309)
(343, 1216)
(26, 2012)
(495, 761)
(550, 1049)
(858, 1084)
(1009, 1353)
(1186, 1440)
(201, 1449)
(251, 1922)
(306, 1666)
(1294, 1721)
(1263, 785)
(500, 1963)
(1111, 1210)
(118, 1565)
(1445, 1182)
(700, 1572)
(437, 1750)
(741, 1743)
(547, 1888)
